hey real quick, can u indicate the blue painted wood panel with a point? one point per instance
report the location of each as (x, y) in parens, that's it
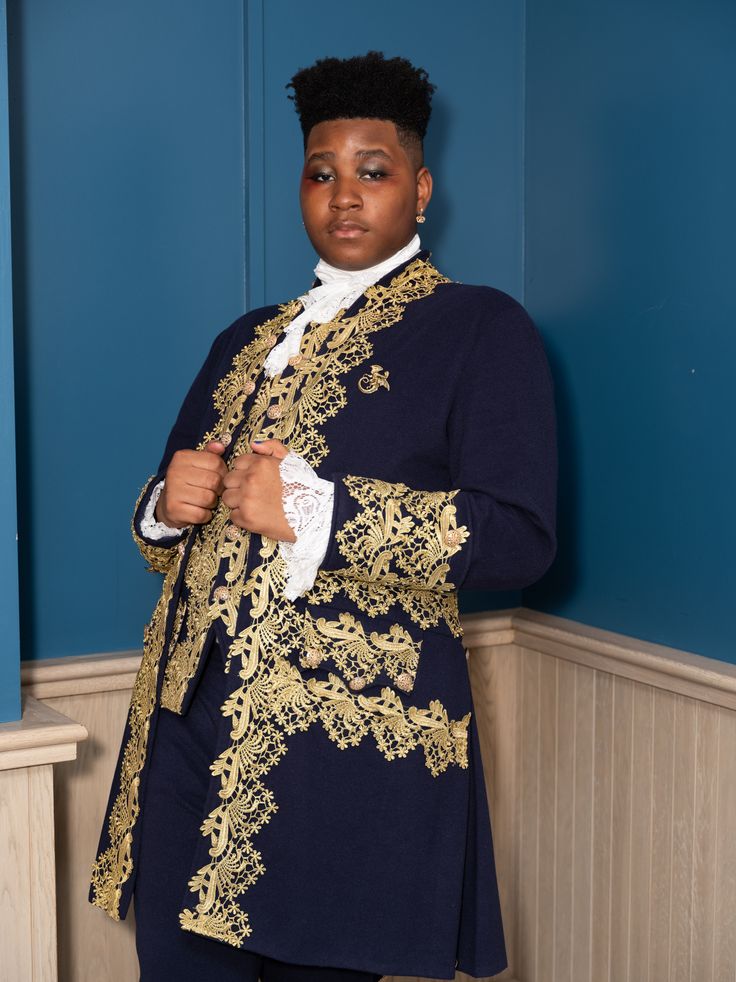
(129, 245)
(153, 148)
(474, 143)
(474, 55)
(9, 628)
(630, 217)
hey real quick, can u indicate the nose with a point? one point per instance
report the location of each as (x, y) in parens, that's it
(345, 195)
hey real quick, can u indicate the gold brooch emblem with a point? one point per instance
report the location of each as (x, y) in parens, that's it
(371, 381)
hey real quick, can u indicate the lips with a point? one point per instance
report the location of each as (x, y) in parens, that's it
(346, 230)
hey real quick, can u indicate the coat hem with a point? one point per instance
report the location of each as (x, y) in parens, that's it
(398, 969)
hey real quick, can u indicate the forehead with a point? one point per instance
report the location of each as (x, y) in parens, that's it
(352, 135)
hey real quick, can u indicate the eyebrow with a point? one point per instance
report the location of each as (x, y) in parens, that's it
(361, 154)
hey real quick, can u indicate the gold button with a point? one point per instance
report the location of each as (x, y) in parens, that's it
(313, 657)
(249, 388)
(405, 681)
(452, 537)
(271, 340)
(232, 532)
(181, 548)
(357, 683)
(225, 439)
(274, 412)
(222, 594)
(295, 359)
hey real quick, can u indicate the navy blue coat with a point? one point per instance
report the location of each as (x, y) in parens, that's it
(347, 780)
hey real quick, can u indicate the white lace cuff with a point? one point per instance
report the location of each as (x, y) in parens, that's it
(308, 502)
(150, 528)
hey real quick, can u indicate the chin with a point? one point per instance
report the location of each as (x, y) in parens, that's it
(354, 258)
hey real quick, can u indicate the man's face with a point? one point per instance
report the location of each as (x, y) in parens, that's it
(360, 192)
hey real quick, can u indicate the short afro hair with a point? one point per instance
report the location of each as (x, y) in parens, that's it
(367, 87)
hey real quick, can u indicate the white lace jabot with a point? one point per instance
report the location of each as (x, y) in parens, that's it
(338, 289)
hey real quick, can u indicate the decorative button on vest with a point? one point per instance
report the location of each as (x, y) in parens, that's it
(313, 657)
(357, 683)
(274, 412)
(222, 594)
(225, 439)
(405, 681)
(249, 388)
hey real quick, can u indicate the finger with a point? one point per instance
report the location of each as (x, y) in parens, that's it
(197, 497)
(270, 448)
(233, 479)
(191, 515)
(215, 447)
(231, 497)
(199, 477)
(243, 463)
(206, 461)
(237, 519)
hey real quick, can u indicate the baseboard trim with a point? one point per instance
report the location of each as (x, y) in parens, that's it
(682, 672)
(80, 674)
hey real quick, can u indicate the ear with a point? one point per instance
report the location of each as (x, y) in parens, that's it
(424, 188)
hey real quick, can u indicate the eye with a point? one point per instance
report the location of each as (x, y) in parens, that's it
(374, 175)
(321, 177)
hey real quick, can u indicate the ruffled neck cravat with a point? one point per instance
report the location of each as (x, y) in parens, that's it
(338, 289)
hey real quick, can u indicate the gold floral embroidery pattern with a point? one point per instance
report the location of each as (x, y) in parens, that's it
(358, 657)
(113, 867)
(268, 679)
(219, 539)
(234, 389)
(160, 559)
(273, 701)
(291, 409)
(397, 548)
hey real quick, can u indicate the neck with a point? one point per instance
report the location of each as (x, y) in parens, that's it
(325, 272)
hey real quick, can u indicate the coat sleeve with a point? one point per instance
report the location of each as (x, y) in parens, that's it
(495, 528)
(186, 433)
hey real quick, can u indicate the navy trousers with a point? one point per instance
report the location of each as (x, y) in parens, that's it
(171, 816)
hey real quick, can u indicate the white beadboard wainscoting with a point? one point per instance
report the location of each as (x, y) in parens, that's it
(611, 772)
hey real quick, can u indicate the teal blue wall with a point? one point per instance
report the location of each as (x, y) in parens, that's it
(9, 628)
(630, 214)
(473, 146)
(154, 164)
(153, 150)
(474, 142)
(129, 252)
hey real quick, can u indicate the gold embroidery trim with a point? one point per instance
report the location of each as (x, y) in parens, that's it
(160, 559)
(305, 399)
(273, 701)
(397, 548)
(114, 865)
(361, 659)
(274, 692)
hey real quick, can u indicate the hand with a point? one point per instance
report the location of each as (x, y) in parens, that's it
(194, 482)
(253, 491)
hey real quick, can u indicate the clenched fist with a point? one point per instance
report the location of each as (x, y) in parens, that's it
(253, 491)
(193, 484)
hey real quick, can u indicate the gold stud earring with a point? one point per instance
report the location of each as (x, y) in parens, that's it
(420, 218)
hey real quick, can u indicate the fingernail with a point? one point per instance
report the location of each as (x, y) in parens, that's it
(259, 441)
